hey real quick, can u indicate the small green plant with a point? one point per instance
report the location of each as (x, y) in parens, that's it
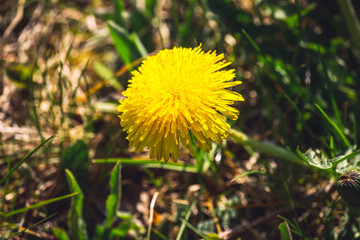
(116, 225)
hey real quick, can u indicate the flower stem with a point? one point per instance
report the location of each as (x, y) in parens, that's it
(265, 147)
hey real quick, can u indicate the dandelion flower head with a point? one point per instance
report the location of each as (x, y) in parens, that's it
(174, 93)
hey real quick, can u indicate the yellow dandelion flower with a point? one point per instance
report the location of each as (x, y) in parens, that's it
(173, 93)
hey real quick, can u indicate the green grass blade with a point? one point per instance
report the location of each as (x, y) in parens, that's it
(293, 226)
(24, 159)
(301, 155)
(45, 219)
(333, 124)
(252, 42)
(149, 164)
(210, 236)
(40, 204)
(344, 157)
(330, 91)
(285, 231)
(139, 45)
(186, 223)
(60, 234)
(186, 219)
(355, 130)
(6, 187)
(113, 200)
(75, 221)
(105, 73)
(123, 43)
(299, 18)
(118, 10)
(159, 234)
(352, 22)
(293, 104)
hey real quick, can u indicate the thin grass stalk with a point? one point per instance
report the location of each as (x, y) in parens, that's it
(32, 107)
(23, 160)
(186, 218)
(148, 163)
(299, 37)
(8, 162)
(335, 126)
(33, 225)
(352, 22)
(37, 205)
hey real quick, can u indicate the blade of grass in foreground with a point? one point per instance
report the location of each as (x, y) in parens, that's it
(285, 231)
(37, 205)
(113, 200)
(150, 164)
(252, 42)
(60, 234)
(185, 222)
(24, 159)
(76, 223)
(186, 219)
(45, 219)
(333, 124)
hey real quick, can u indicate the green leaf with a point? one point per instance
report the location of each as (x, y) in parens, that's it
(285, 231)
(118, 9)
(76, 159)
(139, 45)
(294, 226)
(124, 215)
(76, 223)
(100, 232)
(335, 126)
(20, 74)
(212, 236)
(24, 159)
(60, 234)
(37, 205)
(106, 74)
(103, 71)
(316, 158)
(123, 43)
(121, 231)
(113, 200)
(313, 46)
(293, 20)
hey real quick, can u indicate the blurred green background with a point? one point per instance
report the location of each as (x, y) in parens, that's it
(64, 65)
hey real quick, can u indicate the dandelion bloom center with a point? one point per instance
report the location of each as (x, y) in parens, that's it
(173, 93)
